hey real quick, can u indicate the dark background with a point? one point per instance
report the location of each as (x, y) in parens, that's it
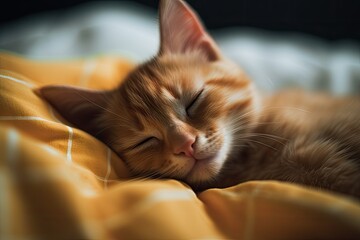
(328, 19)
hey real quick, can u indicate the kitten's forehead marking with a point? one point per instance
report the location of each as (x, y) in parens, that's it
(167, 94)
(198, 82)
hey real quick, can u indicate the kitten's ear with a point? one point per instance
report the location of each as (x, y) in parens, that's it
(181, 31)
(78, 106)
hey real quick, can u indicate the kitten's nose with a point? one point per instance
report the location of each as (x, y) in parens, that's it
(185, 146)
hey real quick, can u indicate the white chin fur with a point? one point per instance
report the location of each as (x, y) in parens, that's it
(207, 170)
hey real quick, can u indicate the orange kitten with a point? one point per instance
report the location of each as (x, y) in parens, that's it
(191, 114)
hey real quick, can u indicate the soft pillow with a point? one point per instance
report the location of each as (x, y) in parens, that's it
(57, 181)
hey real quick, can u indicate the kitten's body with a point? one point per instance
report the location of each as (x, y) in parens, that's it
(193, 115)
(306, 138)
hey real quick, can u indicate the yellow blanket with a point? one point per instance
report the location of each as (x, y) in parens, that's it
(58, 182)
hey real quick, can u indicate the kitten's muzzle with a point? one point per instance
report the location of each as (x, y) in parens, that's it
(185, 146)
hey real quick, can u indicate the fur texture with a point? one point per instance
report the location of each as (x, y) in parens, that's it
(191, 114)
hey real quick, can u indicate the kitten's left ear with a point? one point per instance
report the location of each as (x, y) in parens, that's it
(79, 106)
(181, 31)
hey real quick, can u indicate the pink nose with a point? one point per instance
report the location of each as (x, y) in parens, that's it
(185, 146)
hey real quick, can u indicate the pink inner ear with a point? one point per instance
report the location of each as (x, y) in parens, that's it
(181, 31)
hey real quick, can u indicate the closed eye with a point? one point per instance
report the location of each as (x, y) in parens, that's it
(144, 142)
(192, 103)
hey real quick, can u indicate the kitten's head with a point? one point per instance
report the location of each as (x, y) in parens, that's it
(180, 115)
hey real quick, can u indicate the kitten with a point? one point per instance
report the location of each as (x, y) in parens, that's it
(191, 114)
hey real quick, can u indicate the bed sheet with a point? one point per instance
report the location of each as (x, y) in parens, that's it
(58, 182)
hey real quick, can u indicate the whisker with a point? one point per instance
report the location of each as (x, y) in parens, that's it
(105, 109)
(268, 137)
(254, 141)
(255, 134)
(264, 111)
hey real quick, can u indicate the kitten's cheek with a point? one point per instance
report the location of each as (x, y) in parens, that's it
(204, 170)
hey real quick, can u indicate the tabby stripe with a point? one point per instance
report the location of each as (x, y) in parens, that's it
(173, 91)
(244, 103)
(228, 83)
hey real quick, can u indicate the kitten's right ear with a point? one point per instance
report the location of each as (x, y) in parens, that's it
(79, 106)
